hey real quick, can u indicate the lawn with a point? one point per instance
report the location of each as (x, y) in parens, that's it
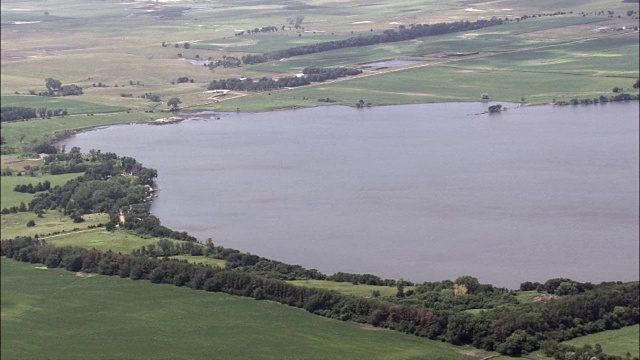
(54, 314)
(51, 222)
(348, 288)
(13, 198)
(201, 260)
(116, 241)
(614, 342)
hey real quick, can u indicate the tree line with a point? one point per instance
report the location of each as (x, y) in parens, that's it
(18, 113)
(320, 74)
(55, 88)
(311, 74)
(31, 189)
(262, 84)
(403, 33)
(601, 99)
(511, 330)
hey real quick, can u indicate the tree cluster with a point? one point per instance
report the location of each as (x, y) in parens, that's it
(602, 99)
(402, 34)
(568, 352)
(311, 74)
(366, 279)
(15, 209)
(151, 96)
(110, 184)
(264, 29)
(320, 74)
(226, 62)
(495, 108)
(55, 88)
(31, 189)
(18, 113)
(262, 84)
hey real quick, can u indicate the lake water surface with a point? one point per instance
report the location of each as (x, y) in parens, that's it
(424, 192)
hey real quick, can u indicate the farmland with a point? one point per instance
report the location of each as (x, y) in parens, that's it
(48, 311)
(130, 59)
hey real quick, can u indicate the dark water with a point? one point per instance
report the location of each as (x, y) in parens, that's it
(424, 192)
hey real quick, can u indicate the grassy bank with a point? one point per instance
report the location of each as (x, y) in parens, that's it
(614, 342)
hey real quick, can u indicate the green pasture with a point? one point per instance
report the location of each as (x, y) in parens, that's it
(13, 198)
(54, 314)
(35, 129)
(348, 288)
(201, 260)
(116, 241)
(614, 342)
(72, 105)
(51, 222)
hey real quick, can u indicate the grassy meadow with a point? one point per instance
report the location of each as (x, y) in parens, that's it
(348, 288)
(100, 239)
(614, 342)
(11, 198)
(57, 315)
(201, 260)
(51, 222)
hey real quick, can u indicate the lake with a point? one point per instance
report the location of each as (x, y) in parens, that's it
(422, 192)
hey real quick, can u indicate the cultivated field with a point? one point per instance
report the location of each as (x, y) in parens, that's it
(57, 315)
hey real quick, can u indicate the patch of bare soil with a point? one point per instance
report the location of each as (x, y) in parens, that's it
(83, 274)
(477, 353)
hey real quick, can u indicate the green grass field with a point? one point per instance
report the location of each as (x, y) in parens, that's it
(525, 297)
(348, 288)
(53, 221)
(54, 314)
(70, 103)
(614, 342)
(116, 241)
(13, 198)
(201, 260)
